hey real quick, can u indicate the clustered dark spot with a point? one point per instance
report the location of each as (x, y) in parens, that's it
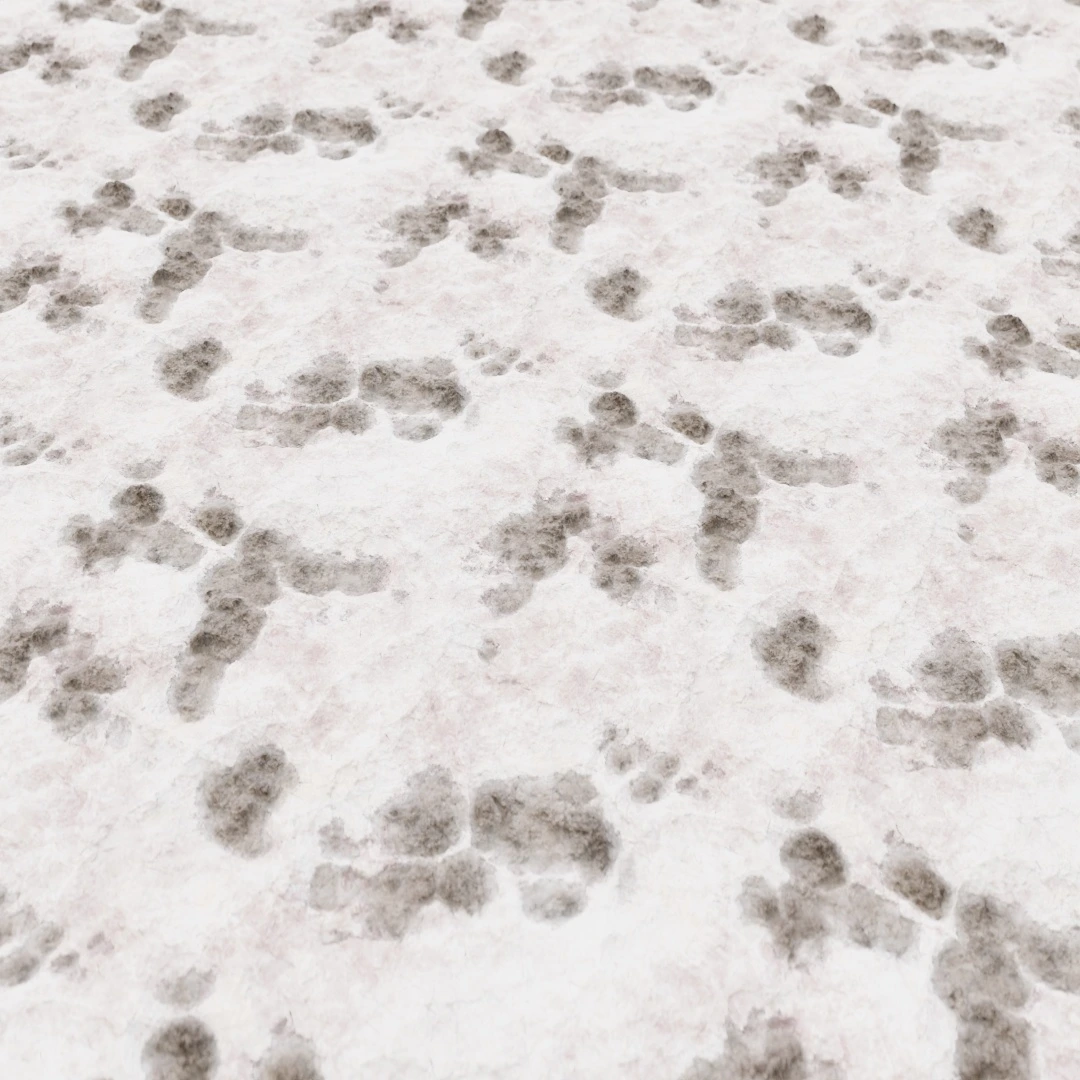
(107, 10)
(496, 152)
(156, 113)
(487, 239)
(690, 424)
(583, 189)
(908, 873)
(236, 592)
(1057, 462)
(730, 480)
(822, 107)
(477, 14)
(157, 39)
(184, 1049)
(618, 292)
(955, 669)
(508, 67)
(176, 206)
(294, 1059)
(186, 372)
(323, 393)
(26, 941)
(338, 132)
(783, 170)
(679, 84)
(817, 897)
(344, 22)
(829, 311)
(219, 521)
(958, 671)
(430, 388)
(428, 819)
(24, 443)
(21, 276)
(605, 86)
(615, 429)
(682, 88)
(813, 860)
(1044, 672)
(533, 546)
(188, 254)
(238, 799)
(619, 565)
(654, 770)
(56, 67)
(978, 227)
(67, 296)
(976, 442)
(742, 310)
(544, 826)
(920, 152)
(812, 28)
(952, 733)
(762, 1050)
(135, 528)
(906, 48)
(1013, 348)
(25, 635)
(76, 701)
(421, 226)
(979, 978)
(422, 823)
(792, 653)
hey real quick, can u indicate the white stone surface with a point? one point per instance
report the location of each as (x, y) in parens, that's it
(874, 360)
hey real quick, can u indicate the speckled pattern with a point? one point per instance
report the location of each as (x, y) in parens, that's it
(540, 540)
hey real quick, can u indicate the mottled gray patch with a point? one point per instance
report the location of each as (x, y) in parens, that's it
(25, 635)
(238, 799)
(813, 860)
(908, 873)
(979, 228)
(465, 882)
(617, 293)
(552, 900)
(873, 922)
(186, 372)
(219, 521)
(955, 669)
(413, 388)
(347, 125)
(391, 899)
(762, 1050)
(1057, 462)
(427, 819)
(799, 468)
(545, 824)
(187, 990)
(619, 563)
(533, 546)
(508, 67)
(792, 653)
(690, 423)
(794, 917)
(477, 14)
(156, 113)
(812, 28)
(977, 440)
(183, 1049)
(1044, 672)
(829, 310)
